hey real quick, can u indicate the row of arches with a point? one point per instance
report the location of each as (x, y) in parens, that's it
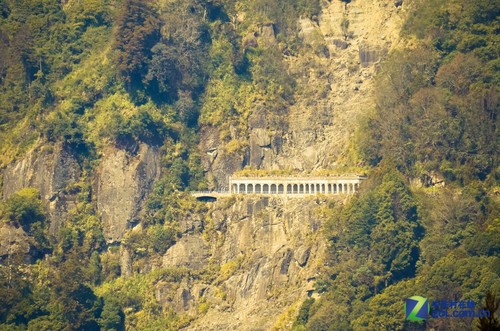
(308, 188)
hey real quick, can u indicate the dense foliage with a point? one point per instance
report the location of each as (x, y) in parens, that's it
(84, 75)
(438, 103)
(436, 121)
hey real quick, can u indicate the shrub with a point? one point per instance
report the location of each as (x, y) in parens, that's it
(25, 208)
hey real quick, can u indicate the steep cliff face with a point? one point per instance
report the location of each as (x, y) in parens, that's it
(280, 86)
(123, 184)
(216, 161)
(268, 252)
(334, 76)
(276, 243)
(13, 240)
(265, 253)
(50, 170)
(337, 88)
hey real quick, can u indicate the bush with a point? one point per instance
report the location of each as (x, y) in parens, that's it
(161, 238)
(112, 317)
(25, 208)
(303, 315)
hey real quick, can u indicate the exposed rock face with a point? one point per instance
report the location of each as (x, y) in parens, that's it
(369, 55)
(13, 241)
(123, 184)
(260, 146)
(276, 243)
(340, 44)
(308, 31)
(335, 88)
(189, 251)
(182, 297)
(333, 93)
(50, 170)
(267, 34)
(269, 250)
(125, 261)
(273, 247)
(124, 181)
(217, 162)
(428, 180)
(263, 143)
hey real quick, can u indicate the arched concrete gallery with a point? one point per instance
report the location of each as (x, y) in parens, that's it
(294, 185)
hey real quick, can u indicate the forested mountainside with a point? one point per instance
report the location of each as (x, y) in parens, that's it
(112, 111)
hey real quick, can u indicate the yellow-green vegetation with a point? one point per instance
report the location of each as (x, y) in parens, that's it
(436, 109)
(419, 243)
(102, 74)
(229, 268)
(301, 313)
(435, 121)
(203, 307)
(54, 292)
(24, 209)
(137, 298)
(235, 147)
(333, 172)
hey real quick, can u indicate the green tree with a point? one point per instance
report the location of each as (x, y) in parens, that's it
(72, 301)
(385, 310)
(90, 13)
(15, 290)
(94, 268)
(137, 33)
(179, 61)
(489, 323)
(395, 236)
(25, 209)
(162, 237)
(112, 317)
(303, 315)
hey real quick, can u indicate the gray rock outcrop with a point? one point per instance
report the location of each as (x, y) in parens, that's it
(13, 241)
(49, 169)
(123, 183)
(190, 251)
(271, 247)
